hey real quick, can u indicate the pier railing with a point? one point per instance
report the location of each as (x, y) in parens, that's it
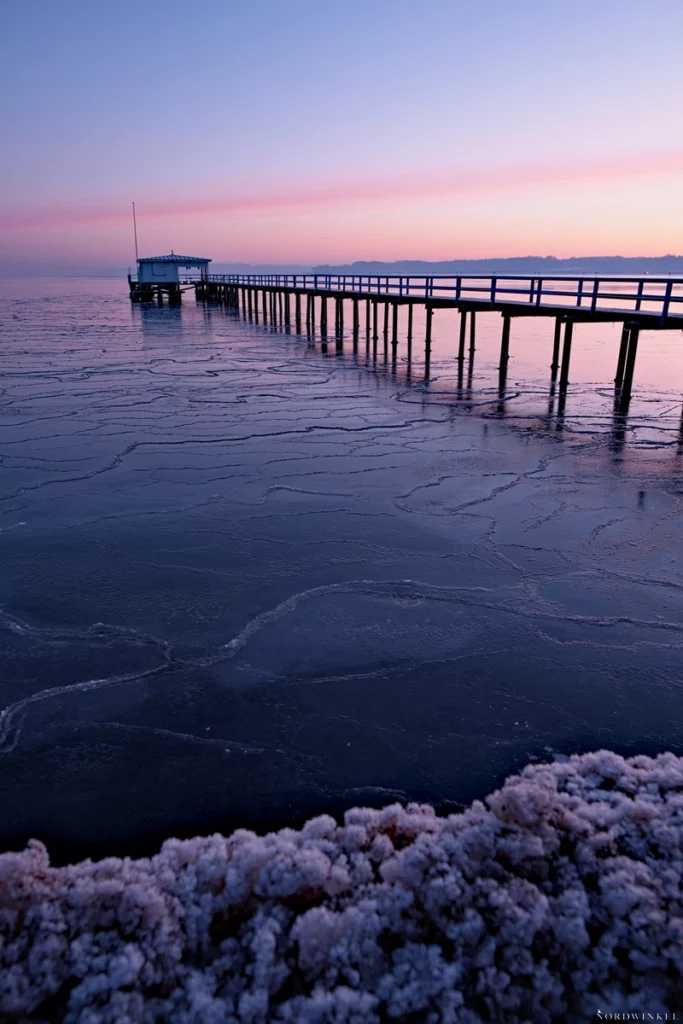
(660, 297)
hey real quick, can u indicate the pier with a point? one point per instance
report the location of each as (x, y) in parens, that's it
(299, 302)
(644, 303)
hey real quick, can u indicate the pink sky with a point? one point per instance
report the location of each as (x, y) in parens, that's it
(287, 134)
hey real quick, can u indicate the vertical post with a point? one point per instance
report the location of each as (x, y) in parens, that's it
(629, 367)
(385, 332)
(313, 314)
(463, 335)
(355, 321)
(429, 312)
(374, 327)
(621, 361)
(666, 302)
(554, 365)
(566, 354)
(297, 312)
(265, 313)
(410, 331)
(504, 347)
(394, 327)
(472, 330)
(367, 320)
(323, 316)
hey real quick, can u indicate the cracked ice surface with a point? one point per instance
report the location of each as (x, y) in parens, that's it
(246, 580)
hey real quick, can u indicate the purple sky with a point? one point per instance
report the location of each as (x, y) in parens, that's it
(297, 131)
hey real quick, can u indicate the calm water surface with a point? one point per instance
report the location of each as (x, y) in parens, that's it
(245, 579)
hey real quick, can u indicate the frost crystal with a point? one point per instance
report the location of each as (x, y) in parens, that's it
(558, 899)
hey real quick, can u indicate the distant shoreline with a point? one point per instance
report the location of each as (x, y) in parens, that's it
(574, 265)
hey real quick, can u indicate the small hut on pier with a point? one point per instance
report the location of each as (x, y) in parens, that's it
(160, 274)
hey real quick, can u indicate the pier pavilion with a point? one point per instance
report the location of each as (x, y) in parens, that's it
(159, 275)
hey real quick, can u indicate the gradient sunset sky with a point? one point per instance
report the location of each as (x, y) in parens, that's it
(292, 131)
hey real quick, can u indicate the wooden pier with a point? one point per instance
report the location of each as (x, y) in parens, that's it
(646, 303)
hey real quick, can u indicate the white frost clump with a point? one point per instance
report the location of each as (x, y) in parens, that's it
(559, 896)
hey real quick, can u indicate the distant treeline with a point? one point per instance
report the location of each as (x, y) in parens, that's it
(541, 265)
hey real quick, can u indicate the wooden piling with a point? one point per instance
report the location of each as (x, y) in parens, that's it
(566, 354)
(394, 327)
(297, 312)
(410, 331)
(629, 366)
(473, 330)
(463, 336)
(504, 347)
(374, 327)
(323, 316)
(429, 312)
(555, 363)
(621, 361)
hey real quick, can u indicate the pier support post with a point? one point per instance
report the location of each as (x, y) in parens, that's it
(463, 335)
(566, 354)
(504, 348)
(385, 331)
(374, 327)
(355, 325)
(367, 324)
(429, 312)
(394, 328)
(255, 305)
(297, 312)
(287, 311)
(323, 316)
(555, 363)
(473, 330)
(265, 307)
(633, 334)
(621, 361)
(410, 331)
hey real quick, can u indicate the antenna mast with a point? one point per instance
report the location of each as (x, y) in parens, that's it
(135, 232)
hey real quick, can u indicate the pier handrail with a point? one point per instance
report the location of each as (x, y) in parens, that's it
(586, 293)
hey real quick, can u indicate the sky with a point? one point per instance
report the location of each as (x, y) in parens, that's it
(293, 131)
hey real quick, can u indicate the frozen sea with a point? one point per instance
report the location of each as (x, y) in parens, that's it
(245, 577)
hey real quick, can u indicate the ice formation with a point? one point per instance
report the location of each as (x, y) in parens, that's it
(558, 897)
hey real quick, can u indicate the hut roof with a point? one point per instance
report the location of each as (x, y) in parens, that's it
(184, 261)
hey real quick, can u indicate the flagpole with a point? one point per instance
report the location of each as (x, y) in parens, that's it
(135, 232)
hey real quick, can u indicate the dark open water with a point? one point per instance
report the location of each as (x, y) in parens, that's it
(244, 580)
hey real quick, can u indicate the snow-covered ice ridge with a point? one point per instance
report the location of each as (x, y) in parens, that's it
(556, 898)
